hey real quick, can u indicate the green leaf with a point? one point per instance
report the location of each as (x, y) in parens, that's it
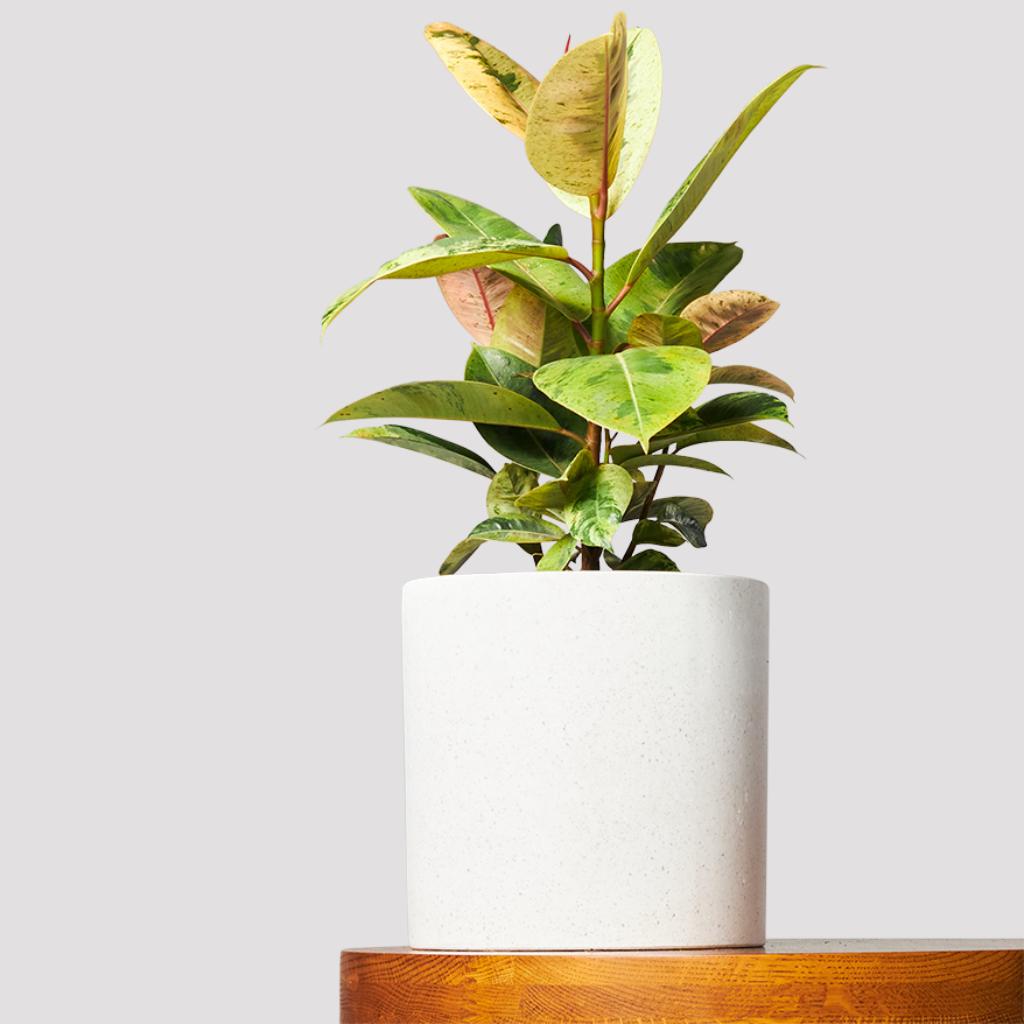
(458, 556)
(727, 317)
(493, 80)
(525, 530)
(597, 504)
(554, 235)
(555, 494)
(509, 483)
(740, 407)
(475, 297)
(679, 273)
(648, 531)
(443, 256)
(646, 561)
(751, 376)
(450, 400)
(639, 391)
(643, 99)
(556, 283)
(574, 131)
(426, 444)
(531, 330)
(557, 557)
(536, 449)
(653, 330)
(690, 516)
(740, 432)
(684, 461)
(704, 175)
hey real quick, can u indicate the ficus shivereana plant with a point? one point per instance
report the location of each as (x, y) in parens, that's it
(588, 380)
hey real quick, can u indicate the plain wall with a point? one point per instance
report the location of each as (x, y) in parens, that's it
(201, 731)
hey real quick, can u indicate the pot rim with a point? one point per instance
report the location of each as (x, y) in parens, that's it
(682, 577)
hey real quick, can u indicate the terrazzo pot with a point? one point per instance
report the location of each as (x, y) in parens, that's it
(585, 760)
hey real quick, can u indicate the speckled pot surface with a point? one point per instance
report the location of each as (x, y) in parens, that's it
(585, 760)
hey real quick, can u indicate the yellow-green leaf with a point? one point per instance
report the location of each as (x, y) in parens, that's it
(526, 530)
(704, 175)
(554, 494)
(652, 330)
(509, 483)
(443, 256)
(643, 100)
(493, 80)
(529, 328)
(459, 555)
(638, 391)
(557, 557)
(426, 444)
(575, 127)
(597, 504)
(727, 317)
(450, 400)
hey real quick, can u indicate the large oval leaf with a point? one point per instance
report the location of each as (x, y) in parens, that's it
(639, 391)
(525, 530)
(450, 400)
(752, 377)
(426, 444)
(527, 327)
(680, 272)
(574, 131)
(556, 283)
(444, 255)
(643, 100)
(727, 317)
(704, 175)
(475, 297)
(509, 483)
(493, 79)
(536, 449)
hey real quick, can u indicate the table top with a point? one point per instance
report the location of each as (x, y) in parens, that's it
(786, 981)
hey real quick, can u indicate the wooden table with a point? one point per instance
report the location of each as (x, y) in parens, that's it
(785, 982)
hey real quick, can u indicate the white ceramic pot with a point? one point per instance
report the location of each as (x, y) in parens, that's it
(585, 760)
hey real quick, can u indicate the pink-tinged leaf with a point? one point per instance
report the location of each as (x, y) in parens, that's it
(475, 296)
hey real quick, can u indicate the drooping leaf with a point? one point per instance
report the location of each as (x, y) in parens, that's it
(536, 449)
(475, 297)
(597, 504)
(443, 256)
(426, 444)
(574, 131)
(652, 330)
(643, 100)
(648, 531)
(450, 400)
(704, 175)
(530, 329)
(556, 283)
(727, 317)
(493, 80)
(690, 516)
(524, 530)
(557, 557)
(639, 391)
(646, 561)
(458, 556)
(750, 376)
(750, 432)
(683, 461)
(554, 235)
(679, 273)
(509, 483)
(554, 495)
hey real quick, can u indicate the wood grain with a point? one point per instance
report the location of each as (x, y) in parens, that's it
(789, 982)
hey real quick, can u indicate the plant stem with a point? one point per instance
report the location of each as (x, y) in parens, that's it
(591, 559)
(645, 508)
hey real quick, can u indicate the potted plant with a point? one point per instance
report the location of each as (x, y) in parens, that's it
(585, 749)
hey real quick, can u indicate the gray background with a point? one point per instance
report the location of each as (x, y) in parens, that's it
(201, 725)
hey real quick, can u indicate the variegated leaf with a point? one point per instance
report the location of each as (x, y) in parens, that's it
(558, 556)
(751, 376)
(577, 119)
(426, 444)
(727, 317)
(475, 297)
(530, 329)
(652, 330)
(493, 80)
(509, 483)
(524, 530)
